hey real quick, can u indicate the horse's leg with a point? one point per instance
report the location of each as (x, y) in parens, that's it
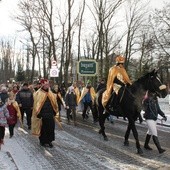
(135, 134)
(126, 142)
(102, 118)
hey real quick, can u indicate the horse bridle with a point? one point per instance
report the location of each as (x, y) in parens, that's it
(155, 89)
(147, 88)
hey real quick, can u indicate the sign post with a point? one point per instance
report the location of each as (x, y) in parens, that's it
(54, 71)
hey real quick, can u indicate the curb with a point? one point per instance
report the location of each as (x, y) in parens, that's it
(12, 160)
(163, 125)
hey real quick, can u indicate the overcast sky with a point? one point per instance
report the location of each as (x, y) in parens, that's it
(8, 27)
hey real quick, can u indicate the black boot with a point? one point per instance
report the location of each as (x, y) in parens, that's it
(156, 141)
(146, 146)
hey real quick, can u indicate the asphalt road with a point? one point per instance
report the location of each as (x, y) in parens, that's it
(82, 148)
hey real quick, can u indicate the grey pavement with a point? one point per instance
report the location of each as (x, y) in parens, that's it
(82, 148)
(165, 107)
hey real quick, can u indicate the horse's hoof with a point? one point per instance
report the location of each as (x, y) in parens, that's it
(105, 138)
(140, 151)
(126, 143)
(100, 131)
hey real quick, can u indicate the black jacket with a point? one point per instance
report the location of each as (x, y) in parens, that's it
(4, 96)
(25, 97)
(101, 86)
(152, 109)
(70, 100)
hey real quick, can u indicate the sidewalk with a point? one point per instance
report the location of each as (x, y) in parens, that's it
(165, 107)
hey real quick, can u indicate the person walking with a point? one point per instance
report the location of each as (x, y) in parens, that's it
(37, 86)
(71, 103)
(4, 94)
(101, 85)
(152, 109)
(88, 96)
(4, 114)
(60, 100)
(14, 113)
(45, 112)
(24, 98)
(15, 90)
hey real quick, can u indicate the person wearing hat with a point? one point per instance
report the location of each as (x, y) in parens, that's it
(117, 77)
(45, 112)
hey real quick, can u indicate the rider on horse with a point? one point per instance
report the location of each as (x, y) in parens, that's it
(117, 77)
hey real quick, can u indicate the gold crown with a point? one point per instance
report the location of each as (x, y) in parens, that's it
(120, 59)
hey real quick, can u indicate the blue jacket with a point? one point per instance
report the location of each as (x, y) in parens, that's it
(87, 98)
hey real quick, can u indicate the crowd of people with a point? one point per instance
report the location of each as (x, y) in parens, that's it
(37, 106)
(41, 104)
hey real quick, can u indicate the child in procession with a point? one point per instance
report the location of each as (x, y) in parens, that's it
(14, 113)
(4, 114)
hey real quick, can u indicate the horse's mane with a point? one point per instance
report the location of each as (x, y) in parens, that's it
(144, 78)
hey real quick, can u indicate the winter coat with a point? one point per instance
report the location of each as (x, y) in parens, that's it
(25, 97)
(71, 100)
(152, 109)
(4, 114)
(3, 96)
(100, 86)
(14, 113)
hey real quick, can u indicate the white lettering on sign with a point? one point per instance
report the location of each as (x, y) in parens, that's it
(87, 65)
(87, 72)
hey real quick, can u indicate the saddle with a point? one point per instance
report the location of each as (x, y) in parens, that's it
(112, 105)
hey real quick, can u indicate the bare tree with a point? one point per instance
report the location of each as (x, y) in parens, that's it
(161, 28)
(26, 19)
(79, 31)
(104, 13)
(7, 62)
(135, 19)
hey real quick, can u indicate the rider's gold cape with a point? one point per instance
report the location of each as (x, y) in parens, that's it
(39, 99)
(121, 74)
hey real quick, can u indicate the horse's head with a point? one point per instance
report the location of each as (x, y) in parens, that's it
(152, 82)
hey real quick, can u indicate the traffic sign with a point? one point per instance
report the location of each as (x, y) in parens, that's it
(54, 63)
(54, 72)
(87, 67)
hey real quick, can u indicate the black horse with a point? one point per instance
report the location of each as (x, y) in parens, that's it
(130, 103)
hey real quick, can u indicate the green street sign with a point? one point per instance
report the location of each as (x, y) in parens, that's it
(87, 67)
